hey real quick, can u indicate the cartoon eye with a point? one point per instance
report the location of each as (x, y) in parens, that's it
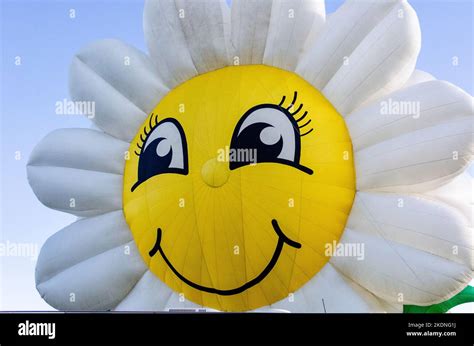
(269, 133)
(163, 150)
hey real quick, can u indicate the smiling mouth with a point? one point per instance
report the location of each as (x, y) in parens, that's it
(282, 240)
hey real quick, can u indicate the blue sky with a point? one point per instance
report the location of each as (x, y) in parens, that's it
(44, 36)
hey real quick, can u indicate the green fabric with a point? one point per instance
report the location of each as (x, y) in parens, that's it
(465, 296)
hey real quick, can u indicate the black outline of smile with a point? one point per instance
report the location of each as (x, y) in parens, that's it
(282, 239)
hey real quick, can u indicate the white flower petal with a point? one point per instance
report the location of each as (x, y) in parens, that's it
(407, 110)
(122, 83)
(82, 149)
(250, 20)
(416, 251)
(78, 171)
(151, 294)
(186, 38)
(343, 31)
(380, 64)
(96, 284)
(433, 154)
(390, 307)
(126, 69)
(417, 77)
(459, 194)
(80, 241)
(177, 302)
(76, 191)
(289, 29)
(330, 291)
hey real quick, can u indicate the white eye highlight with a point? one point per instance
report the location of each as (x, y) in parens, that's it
(270, 135)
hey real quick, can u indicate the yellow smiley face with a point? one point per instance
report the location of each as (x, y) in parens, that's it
(235, 184)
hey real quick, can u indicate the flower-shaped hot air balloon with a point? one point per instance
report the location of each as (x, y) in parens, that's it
(262, 157)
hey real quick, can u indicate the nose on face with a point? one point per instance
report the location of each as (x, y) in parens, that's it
(215, 173)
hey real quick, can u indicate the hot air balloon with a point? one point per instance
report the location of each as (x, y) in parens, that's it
(260, 157)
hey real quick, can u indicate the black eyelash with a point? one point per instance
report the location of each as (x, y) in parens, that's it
(298, 110)
(152, 123)
(307, 133)
(295, 97)
(302, 117)
(306, 123)
(282, 101)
